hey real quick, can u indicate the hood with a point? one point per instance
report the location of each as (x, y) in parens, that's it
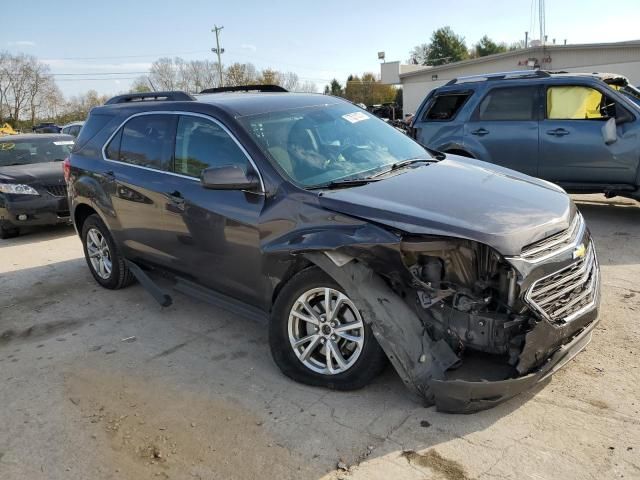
(462, 198)
(49, 173)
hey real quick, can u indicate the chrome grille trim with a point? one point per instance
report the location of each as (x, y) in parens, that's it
(57, 190)
(555, 244)
(568, 293)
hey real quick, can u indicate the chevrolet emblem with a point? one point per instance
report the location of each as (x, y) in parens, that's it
(580, 251)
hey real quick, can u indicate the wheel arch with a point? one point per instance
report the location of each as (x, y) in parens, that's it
(81, 212)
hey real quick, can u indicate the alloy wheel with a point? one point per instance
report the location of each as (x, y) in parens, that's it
(326, 331)
(99, 254)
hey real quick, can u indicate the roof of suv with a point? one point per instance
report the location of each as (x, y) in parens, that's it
(242, 104)
(536, 75)
(234, 103)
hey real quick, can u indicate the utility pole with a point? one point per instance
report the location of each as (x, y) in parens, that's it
(216, 29)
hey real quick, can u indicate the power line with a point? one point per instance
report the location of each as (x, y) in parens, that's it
(100, 73)
(93, 79)
(129, 56)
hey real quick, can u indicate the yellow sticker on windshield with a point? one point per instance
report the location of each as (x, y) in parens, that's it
(355, 117)
(7, 146)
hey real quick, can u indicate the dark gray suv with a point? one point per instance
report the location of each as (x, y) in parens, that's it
(356, 243)
(580, 131)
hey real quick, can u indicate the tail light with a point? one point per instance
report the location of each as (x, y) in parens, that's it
(66, 168)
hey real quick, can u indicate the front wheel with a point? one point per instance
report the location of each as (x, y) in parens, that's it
(318, 337)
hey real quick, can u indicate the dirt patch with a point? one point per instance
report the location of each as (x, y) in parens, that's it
(144, 430)
(39, 331)
(445, 468)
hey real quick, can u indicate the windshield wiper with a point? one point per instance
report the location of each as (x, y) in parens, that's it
(356, 182)
(404, 163)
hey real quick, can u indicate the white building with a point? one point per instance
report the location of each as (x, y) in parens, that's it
(622, 58)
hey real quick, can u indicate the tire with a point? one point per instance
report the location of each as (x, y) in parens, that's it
(285, 327)
(8, 231)
(96, 237)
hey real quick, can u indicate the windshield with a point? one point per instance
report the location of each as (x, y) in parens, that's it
(632, 92)
(15, 151)
(318, 145)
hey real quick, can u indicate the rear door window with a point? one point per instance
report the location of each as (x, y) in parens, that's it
(517, 103)
(146, 141)
(201, 143)
(445, 107)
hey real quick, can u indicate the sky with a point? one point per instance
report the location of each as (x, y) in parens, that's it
(317, 40)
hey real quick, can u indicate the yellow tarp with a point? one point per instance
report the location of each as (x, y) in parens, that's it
(7, 130)
(573, 103)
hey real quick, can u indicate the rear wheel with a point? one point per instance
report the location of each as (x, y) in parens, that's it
(318, 336)
(8, 231)
(105, 262)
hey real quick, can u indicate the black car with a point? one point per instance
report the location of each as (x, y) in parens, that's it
(46, 127)
(32, 187)
(357, 243)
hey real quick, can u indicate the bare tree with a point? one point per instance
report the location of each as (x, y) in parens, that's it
(240, 74)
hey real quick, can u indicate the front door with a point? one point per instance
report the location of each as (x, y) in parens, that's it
(572, 145)
(504, 129)
(214, 233)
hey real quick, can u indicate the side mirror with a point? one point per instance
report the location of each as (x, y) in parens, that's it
(623, 116)
(609, 131)
(229, 177)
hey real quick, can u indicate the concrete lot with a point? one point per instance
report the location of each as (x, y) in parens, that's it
(96, 384)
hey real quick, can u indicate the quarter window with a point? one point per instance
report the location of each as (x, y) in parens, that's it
(570, 102)
(146, 141)
(200, 144)
(445, 107)
(508, 104)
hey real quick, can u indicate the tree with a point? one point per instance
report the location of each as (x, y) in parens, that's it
(445, 47)
(486, 46)
(368, 90)
(334, 88)
(240, 74)
(420, 54)
(140, 85)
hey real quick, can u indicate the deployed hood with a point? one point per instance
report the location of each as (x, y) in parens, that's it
(49, 173)
(463, 198)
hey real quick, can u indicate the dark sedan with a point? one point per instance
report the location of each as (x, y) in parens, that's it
(32, 187)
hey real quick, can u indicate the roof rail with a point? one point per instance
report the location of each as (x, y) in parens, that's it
(517, 74)
(150, 96)
(246, 88)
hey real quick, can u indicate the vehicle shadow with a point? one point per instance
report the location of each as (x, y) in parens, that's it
(618, 225)
(38, 235)
(197, 348)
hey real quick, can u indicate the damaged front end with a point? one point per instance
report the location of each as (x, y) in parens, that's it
(465, 327)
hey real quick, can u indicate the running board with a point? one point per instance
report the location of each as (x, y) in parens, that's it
(220, 300)
(160, 296)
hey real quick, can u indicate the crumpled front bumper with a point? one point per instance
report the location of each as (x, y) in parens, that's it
(461, 396)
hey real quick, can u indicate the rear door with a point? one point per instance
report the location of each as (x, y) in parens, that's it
(139, 156)
(503, 129)
(213, 234)
(572, 145)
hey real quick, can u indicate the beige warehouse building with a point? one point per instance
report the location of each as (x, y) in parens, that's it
(416, 80)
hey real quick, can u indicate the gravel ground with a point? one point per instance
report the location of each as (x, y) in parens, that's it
(98, 384)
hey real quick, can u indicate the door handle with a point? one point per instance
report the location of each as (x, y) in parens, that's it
(175, 197)
(558, 132)
(175, 202)
(480, 132)
(109, 174)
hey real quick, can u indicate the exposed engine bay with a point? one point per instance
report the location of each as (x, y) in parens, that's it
(468, 295)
